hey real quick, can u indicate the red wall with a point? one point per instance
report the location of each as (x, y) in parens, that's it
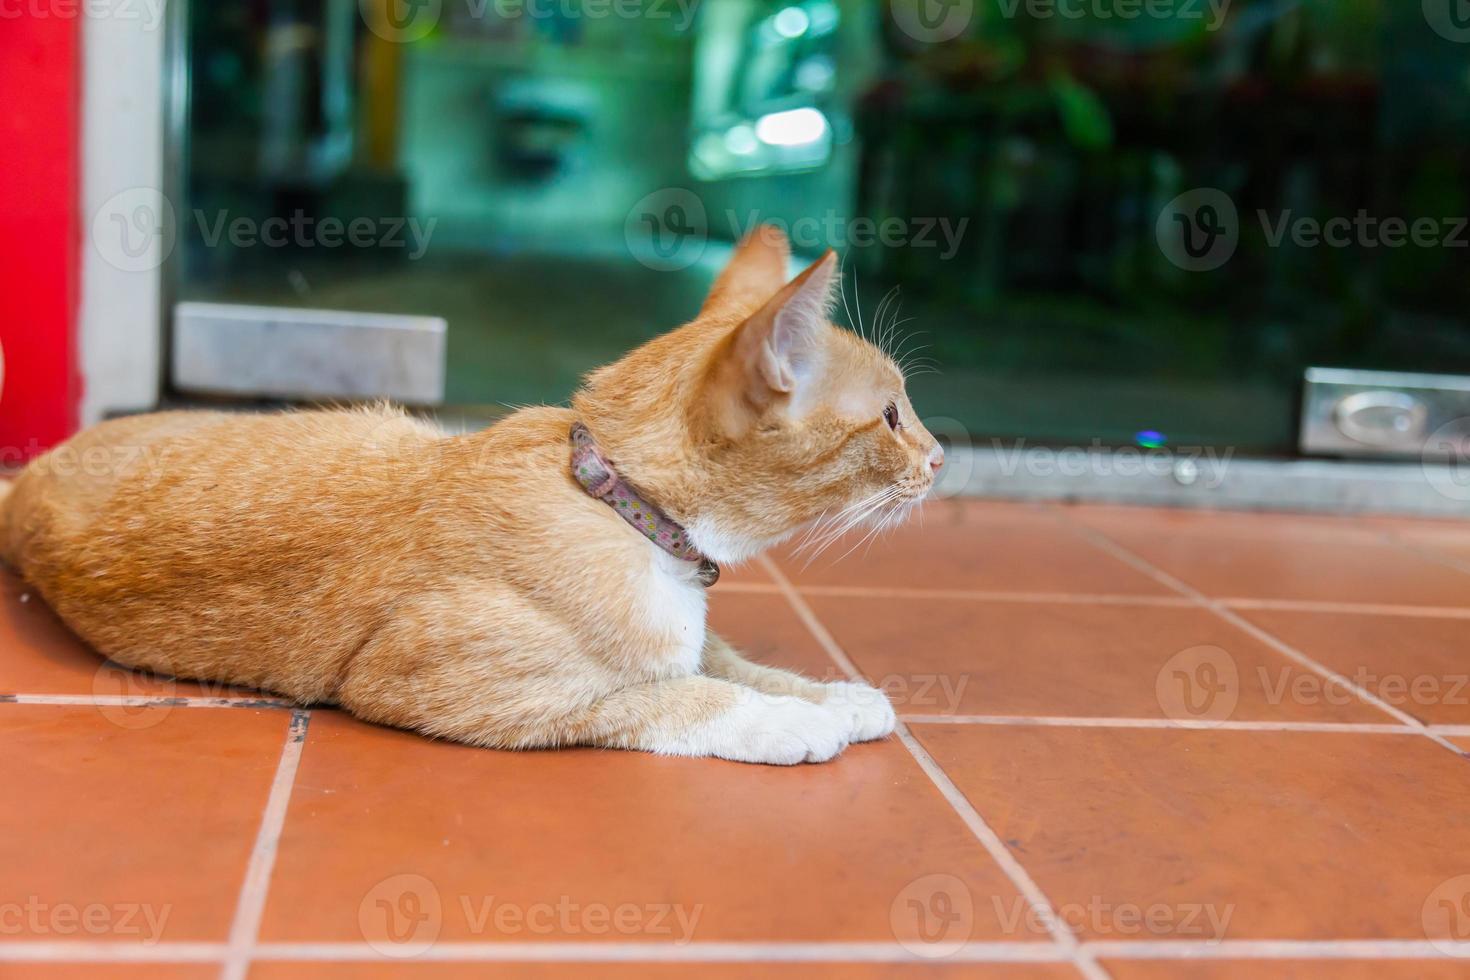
(40, 228)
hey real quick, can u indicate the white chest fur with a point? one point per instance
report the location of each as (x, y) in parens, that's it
(672, 609)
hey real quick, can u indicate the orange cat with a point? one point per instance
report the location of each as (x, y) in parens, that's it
(469, 587)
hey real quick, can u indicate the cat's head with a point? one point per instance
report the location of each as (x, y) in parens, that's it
(762, 416)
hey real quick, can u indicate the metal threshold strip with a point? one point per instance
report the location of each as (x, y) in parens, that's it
(1159, 478)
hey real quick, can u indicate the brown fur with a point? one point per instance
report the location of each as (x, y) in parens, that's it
(466, 586)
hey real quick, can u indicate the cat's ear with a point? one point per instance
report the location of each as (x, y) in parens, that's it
(754, 272)
(777, 353)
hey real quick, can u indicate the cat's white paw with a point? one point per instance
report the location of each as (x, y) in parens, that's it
(867, 710)
(772, 729)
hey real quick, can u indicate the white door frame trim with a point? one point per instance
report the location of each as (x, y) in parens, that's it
(120, 316)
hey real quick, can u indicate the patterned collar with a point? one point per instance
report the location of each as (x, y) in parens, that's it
(595, 473)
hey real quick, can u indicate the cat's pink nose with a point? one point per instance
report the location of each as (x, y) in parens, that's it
(936, 458)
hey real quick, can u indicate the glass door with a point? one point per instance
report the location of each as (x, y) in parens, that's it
(1099, 223)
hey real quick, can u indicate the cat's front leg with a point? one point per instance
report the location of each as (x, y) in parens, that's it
(867, 710)
(706, 716)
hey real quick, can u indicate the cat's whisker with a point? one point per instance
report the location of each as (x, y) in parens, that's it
(890, 330)
(869, 507)
(888, 306)
(855, 515)
(877, 527)
(822, 529)
(837, 533)
(903, 352)
(810, 532)
(842, 291)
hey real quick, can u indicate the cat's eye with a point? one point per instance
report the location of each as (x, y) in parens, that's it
(890, 415)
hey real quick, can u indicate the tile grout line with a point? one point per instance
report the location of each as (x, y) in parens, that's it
(250, 906)
(144, 701)
(694, 952)
(1021, 880)
(84, 951)
(1063, 721)
(1110, 599)
(1280, 949)
(1061, 933)
(1346, 608)
(1138, 563)
(984, 951)
(1058, 721)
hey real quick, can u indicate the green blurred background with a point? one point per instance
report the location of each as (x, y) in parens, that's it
(578, 168)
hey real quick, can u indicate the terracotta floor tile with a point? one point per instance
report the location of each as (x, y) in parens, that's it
(1294, 835)
(1419, 665)
(383, 820)
(1441, 969)
(767, 630)
(151, 813)
(1280, 557)
(1449, 541)
(958, 656)
(1233, 523)
(666, 971)
(977, 546)
(39, 655)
